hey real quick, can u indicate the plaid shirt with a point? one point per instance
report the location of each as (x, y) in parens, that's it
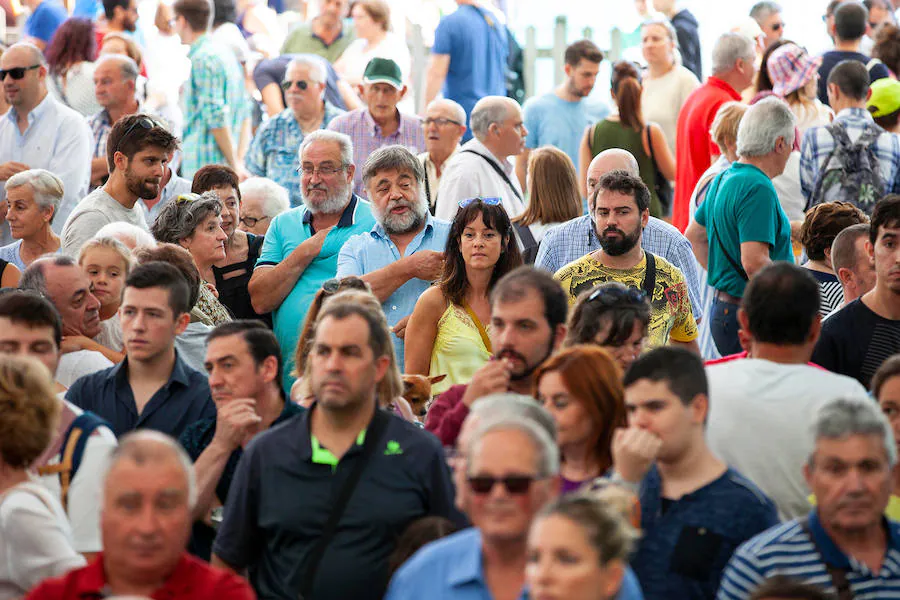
(572, 240)
(214, 97)
(273, 152)
(367, 138)
(818, 144)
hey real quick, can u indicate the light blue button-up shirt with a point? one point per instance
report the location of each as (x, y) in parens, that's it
(57, 139)
(368, 252)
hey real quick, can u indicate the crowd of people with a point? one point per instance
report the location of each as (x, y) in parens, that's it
(266, 332)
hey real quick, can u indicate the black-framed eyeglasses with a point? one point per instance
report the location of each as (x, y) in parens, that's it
(610, 296)
(16, 72)
(301, 83)
(335, 285)
(145, 123)
(187, 198)
(322, 170)
(252, 221)
(515, 485)
(490, 201)
(440, 121)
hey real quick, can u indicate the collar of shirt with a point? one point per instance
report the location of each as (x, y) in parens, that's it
(379, 232)
(854, 115)
(348, 217)
(179, 374)
(314, 36)
(314, 451)
(93, 580)
(198, 44)
(834, 556)
(476, 145)
(468, 567)
(403, 125)
(38, 111)
(718, 83)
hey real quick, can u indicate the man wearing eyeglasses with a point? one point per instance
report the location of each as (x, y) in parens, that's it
(273, 152)
(445, 124)
(39, 132)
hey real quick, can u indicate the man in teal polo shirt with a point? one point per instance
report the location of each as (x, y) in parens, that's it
(740, 227)
(302, 245)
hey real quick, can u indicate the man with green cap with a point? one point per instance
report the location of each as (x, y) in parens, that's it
(379, 123)
(884, 104)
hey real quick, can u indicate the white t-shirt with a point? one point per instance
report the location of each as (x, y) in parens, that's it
(73, 365)
(787, 186)
(35, 540)
(85, 488)
(111, 334)
(96, 210)
(760, 422)
(663, 98)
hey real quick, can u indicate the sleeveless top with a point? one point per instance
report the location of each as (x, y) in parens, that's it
(233, 292)
(458, 349)
(3, 265)
(608, 134)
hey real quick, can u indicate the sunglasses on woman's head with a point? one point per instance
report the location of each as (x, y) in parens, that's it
(613, 296)
(515, 484)
(490, 201)
(333, 286)
(187, 198)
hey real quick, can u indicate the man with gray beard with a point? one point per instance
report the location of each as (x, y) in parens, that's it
(404, 252)
(301, 249)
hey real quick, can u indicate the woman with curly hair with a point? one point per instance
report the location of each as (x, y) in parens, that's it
(70, 58)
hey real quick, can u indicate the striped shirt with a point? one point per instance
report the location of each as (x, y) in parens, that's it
(367, 138)
(830, 291)
(788, 550)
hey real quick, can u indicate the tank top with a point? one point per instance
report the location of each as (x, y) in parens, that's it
(608, 134)
(458, 349)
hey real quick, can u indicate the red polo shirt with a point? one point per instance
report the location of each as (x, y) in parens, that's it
(191, 579)
(694, 146)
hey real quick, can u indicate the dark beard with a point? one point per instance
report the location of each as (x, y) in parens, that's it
(619, 246)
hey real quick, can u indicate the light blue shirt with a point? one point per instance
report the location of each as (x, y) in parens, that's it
(552, 121)
(287, 231)
(368, 252)
(57, 139)
(452, 569)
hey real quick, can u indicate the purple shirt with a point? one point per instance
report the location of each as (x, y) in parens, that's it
(367, 138)
(567, 486)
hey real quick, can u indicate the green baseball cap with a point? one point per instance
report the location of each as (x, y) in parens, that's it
(885, 97)
(383, 70)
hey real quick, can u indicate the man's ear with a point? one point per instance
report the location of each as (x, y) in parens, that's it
(559, 335)
(269, 368)
(181, 323)
(743, 320)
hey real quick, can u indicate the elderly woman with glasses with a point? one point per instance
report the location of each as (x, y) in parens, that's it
(447, 331)
(194, 222)
(32, 198)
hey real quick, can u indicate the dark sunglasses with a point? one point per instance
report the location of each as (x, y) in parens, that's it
(491, 201)
(333, 286)
(16, 72)
(777, 26)
(514, 484)
(145, 123)
(303, 85)
(252, 221)
(611, 296)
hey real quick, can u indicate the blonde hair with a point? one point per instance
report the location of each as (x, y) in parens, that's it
(554, 188)
(725, 125)
(107, 243)
(29, 410)
(378, 11)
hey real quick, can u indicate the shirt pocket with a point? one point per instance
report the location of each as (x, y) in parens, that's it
(283, 161)
(695, 553)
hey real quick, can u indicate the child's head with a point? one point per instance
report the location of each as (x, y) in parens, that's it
(107, 262)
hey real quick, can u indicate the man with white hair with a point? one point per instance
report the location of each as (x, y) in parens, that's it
(301, 249)
(273, 152)
(482, 166)
(130, 235)
(262, 201)
(403, 254)
(740, 227)
(734, 69)
(845, 544)
(445, 125)
(148, 495)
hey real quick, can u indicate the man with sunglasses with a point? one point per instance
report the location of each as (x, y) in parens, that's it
(138, 148)
(767, 15)
(40, 132)
(273, 152)
(445, 125)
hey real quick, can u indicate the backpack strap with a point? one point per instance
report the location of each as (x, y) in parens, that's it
(649, 283)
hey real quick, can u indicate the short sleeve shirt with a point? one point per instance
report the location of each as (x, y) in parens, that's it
(670, 316)
(742, 206)
(45, 20)
(552, 121)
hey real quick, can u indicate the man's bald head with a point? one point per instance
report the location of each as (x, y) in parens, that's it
(31, 53)
(490, 110)
(614, 159)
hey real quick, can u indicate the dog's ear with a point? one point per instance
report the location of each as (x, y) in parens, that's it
(407, 386)
(436, 378)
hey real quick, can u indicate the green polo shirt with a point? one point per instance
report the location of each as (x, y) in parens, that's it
(301, 40)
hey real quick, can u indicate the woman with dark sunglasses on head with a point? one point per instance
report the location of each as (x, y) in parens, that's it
(614, 317)
(447, 331)
(581, 388)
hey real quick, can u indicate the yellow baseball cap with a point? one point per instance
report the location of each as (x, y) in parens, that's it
(884, 98)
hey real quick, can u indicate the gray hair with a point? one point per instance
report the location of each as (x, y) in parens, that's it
(130, 235)
(548, 452)
(33, 278)
(459, 113)
(844, 417)
(177, 220)
(127, 66)
(317, 70)
(48, 188)
(729, 48)
(146, 445)
(390, 157)
(275, 199)
(762, 125)
(487, 111)
(763, 10)
(665, 24)
(508, 404)
(334, 137)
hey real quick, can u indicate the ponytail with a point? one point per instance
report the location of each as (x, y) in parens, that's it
(626, 85)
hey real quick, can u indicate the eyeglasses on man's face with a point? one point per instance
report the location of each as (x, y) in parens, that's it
(439, 121)
(323, 170)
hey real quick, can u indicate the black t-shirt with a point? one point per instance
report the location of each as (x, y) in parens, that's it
(232, 280)
(831, 58)
(855, 341)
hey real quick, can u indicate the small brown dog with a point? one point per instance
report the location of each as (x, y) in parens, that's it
(417, 391)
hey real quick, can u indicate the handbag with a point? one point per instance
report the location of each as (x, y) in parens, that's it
(661, 185)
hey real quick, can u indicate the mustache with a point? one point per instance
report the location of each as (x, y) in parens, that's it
(510, 353)
(613, 230)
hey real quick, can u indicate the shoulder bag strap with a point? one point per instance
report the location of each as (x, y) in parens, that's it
(838, 576)
(734, 264)
(373, 435)
(499, 171)
(649, 283)
(478, 325)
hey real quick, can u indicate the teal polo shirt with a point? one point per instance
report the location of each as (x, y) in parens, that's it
(287, 231)
(742, 206)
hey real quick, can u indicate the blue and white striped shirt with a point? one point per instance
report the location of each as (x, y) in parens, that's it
(787, 550)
